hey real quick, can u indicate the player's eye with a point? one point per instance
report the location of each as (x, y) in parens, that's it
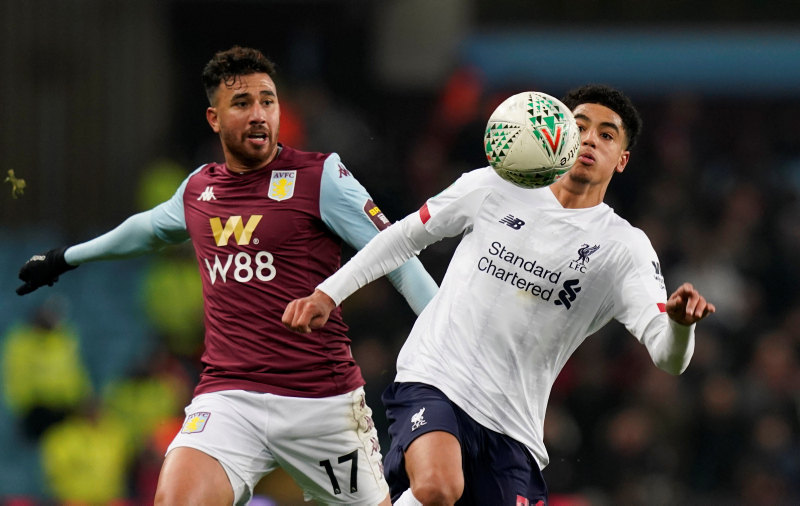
(608, 136)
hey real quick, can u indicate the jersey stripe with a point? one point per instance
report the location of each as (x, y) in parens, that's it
(424, 214)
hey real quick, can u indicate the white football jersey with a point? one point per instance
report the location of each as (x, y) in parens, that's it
(528, 283)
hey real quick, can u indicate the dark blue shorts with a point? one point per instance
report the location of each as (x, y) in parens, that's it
(498, 470)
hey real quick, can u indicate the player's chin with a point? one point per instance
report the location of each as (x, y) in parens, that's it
(255, 156)
(579, 174)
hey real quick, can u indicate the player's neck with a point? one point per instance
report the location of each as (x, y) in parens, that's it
(239, 166)
(578, 195)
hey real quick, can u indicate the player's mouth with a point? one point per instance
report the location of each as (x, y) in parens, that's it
(257, 138)
(586, 158)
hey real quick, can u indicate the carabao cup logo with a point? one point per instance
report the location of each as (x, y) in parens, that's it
(548, 124)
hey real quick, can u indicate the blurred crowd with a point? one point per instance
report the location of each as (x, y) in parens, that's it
(714, 184)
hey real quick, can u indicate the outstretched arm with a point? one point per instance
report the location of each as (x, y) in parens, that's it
(446, 215)
(385, 253)
(140, 234)
(348, 210)
(134, 237)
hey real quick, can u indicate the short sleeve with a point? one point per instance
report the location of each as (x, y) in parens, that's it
(639, 292)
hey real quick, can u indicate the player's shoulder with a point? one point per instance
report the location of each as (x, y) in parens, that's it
(620, 230)
(204, 174)
(487, 178)
(483, 178)
(304, 159)
(484, 183)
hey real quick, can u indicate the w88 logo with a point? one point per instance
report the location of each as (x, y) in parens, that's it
(244, 266)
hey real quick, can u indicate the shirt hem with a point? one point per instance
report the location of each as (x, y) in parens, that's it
(209, 385)
(408, 376)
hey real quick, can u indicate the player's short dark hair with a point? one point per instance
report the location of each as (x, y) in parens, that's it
(614, 100)
(226, 66)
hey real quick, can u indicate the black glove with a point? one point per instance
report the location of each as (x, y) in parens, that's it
(43, 269)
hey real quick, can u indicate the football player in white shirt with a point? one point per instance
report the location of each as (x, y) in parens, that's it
(537, 271)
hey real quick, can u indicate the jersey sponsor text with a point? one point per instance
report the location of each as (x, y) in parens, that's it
(487, 265)
(245, 267)
(234, 227)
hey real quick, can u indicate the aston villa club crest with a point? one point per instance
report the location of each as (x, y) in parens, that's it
(281, 184)
(195, 422)
(584, 252)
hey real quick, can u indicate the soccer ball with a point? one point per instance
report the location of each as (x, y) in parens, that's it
(532, 139)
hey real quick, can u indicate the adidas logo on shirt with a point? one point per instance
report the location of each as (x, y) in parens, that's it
(208, 194)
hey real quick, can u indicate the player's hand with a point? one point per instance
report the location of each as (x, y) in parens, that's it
(686, 306)
(309, 313)
(43, 269)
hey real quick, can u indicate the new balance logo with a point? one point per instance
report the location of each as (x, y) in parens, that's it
(208, 194)
(417, 420)
(235, 228)
(512, 222)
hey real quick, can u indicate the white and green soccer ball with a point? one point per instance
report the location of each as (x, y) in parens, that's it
(532, 140)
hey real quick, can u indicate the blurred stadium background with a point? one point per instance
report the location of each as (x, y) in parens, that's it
(102, 113)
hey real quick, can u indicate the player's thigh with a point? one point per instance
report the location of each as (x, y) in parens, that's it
(425, 454)
(498, 469)
(228, 427)
(433, 464)
(330, 447)
(189, 476)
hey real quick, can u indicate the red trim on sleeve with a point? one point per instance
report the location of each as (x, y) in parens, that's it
(424, 214)
(662, 307)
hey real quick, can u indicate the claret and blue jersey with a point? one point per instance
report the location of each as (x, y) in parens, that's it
(263, 239)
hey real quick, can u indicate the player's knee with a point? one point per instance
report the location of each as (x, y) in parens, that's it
(436, 489)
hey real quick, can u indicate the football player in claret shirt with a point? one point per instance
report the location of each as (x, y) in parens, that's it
(267, 227)
(536, 272)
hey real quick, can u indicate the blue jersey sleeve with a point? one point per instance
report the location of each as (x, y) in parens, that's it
(138, 235)
(348, 210)
(168, 219)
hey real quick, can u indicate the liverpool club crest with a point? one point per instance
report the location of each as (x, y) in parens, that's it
(584, 252)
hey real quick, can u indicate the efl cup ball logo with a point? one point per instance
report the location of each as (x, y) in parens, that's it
(531, 139)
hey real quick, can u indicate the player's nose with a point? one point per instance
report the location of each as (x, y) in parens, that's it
(258, 115)
(589, 137)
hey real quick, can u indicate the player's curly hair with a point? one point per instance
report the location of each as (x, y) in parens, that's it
(614, 100)
(226, 66)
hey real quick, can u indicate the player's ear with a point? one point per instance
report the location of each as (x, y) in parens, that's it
(213, 119)
(623, 161)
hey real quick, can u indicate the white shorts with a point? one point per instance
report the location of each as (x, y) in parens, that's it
(328, 445)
